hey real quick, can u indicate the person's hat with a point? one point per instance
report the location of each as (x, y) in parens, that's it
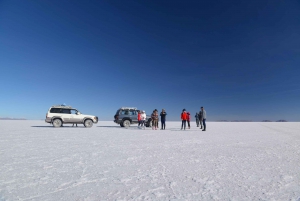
(183, 110)
(143, 111)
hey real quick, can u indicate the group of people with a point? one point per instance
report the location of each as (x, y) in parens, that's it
(155, 119)
(185, 118)
(200, 119)
(141, 119)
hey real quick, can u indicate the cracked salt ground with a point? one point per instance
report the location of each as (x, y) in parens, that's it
(230, 161)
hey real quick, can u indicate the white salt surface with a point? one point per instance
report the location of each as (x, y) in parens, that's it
(230, 161)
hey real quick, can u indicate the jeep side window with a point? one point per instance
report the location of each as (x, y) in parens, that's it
(126, 112)
(73, 111)
(55, 110)
(65, 111)
(131, 112)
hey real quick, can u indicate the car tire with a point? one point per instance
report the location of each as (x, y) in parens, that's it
(57, 123)
(88, 123)
(126, 123)
(121, 124)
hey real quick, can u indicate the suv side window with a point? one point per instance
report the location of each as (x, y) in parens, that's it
(65, 111)
(132, 112)
(73, 111)
(55, 110)
(125, 112)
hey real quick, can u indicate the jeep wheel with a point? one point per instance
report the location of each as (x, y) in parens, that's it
(57, 123)
(126, 123)
(88, 123)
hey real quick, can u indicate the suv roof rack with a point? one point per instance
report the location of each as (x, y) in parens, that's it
(62, 106)
(128, 108)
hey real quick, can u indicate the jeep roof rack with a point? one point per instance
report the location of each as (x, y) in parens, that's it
(128, 108)
(62, 106)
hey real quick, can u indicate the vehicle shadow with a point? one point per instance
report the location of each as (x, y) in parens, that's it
(59, 127)
(42, 126)
(110, 126)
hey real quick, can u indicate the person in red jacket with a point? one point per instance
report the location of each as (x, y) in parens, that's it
(183, 119)
(139, 118)
(188, 119)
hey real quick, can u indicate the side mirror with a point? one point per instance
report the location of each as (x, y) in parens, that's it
(78, 113)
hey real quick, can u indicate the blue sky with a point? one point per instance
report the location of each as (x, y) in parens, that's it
(238, 59)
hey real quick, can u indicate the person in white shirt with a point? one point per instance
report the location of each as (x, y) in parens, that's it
(143, 118)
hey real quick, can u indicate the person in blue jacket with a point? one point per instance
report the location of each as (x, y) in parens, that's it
(163, 115)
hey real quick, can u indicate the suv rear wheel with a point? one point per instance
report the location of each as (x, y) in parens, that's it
(126, 123)
(88, 123)
(57, 123)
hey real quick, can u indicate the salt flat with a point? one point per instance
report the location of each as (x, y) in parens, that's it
(230, 161)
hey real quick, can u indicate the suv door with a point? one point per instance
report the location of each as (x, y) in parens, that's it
(133, 116)
(74, 117)
(65, 115)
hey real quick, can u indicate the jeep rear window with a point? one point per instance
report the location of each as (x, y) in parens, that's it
(55, 110)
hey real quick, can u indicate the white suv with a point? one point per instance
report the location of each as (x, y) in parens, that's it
(61, 114)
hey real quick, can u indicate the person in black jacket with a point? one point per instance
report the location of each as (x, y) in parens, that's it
(163, 115)
(197, 119)
(201, 118)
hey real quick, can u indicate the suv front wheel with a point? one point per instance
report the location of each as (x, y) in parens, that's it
(88, 123)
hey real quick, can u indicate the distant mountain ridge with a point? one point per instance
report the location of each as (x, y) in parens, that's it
(7, 118)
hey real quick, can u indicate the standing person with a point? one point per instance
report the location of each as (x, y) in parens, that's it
(197, 119)
(188, 119)
(201, 117)
(204, 118)
(139, 118)
(163, 115)
(157, 118)
(143, 118)
(183, 119)
(154, 117)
